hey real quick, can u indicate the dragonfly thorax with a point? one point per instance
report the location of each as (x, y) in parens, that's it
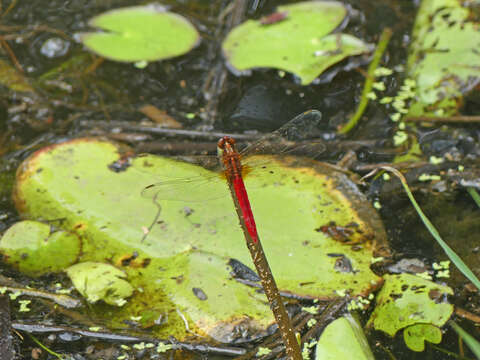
(229, 157)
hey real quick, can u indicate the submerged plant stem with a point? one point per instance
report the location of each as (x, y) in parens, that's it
(474, 194)
(377, 56)
(292, 348)
(51, 352)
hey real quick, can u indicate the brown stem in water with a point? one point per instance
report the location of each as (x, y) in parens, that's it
(448, 119)
(292, 348)
(216, 82)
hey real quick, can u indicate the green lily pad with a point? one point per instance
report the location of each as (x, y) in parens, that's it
(343, 339)
(416, 335)
(406, 300)
(32, 248)
(443, 56)
(181, 265)
(140, 33)
(98, 281)
(299, 43)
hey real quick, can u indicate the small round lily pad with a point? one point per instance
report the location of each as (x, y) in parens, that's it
(33, 249)
(140, 33)
(416, 335)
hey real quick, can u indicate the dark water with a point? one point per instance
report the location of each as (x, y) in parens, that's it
(39, 35)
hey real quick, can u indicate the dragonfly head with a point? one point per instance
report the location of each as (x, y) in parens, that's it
(226, 145)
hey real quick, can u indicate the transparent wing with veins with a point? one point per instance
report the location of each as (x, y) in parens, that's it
(290, 139)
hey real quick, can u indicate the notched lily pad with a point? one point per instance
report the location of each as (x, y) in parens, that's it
(139, 33)
(416, 335)
(406, 300)
(32, 248)
(299, 43)
(98, 281)
(188, 250)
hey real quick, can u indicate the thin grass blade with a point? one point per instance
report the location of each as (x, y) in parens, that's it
(471, 342)
(452, 255)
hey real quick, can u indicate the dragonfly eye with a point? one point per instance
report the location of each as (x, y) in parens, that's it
(221, 143)
(225, 141)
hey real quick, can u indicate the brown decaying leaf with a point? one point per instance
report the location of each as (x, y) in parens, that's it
(160, 116)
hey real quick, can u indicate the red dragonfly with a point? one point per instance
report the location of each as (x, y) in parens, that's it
(233, 170)
(233, 165)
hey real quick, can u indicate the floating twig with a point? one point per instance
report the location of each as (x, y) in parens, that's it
(7, 350)
(162, 131)
(106, 336)
(60, 299)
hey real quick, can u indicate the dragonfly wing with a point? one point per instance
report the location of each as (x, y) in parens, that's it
(209, 162)
(291, 138)
(195, 189)
(287, 140)
(181, 178)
